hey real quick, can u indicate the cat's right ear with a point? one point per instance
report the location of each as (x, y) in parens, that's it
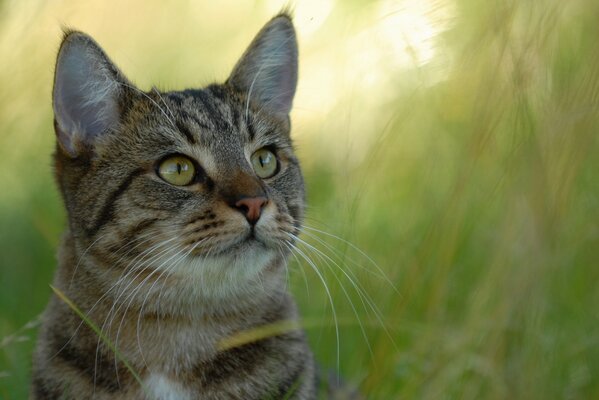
(86, 95)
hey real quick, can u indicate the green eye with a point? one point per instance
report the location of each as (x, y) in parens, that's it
(177, 170)
(265, 163)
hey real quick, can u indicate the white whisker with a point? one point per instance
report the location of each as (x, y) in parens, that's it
(320, 255)
(315, 268)
(358, 250)
(151, 100)
(82, 257)
(136, 289)
(126, 273)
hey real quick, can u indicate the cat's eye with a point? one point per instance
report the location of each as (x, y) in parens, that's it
(265, 163)
(177, 170)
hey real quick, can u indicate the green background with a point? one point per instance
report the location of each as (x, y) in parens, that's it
(454, 142)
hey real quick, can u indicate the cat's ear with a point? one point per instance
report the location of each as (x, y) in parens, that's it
(267, 71)
(86, 94)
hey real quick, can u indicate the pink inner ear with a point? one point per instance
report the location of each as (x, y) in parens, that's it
(85, 93)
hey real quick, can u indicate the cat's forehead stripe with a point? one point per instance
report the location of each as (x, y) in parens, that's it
(201, 111)
(206, 107)
(212, 111)
(185, 131)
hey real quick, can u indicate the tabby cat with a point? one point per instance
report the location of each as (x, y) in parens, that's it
(182, 207)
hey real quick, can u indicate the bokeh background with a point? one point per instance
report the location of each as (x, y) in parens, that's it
(449, 145)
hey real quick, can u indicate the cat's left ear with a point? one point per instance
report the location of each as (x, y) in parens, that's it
(87, 95)
(267, 71)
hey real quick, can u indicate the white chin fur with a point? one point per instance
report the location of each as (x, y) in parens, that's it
(224, 276)
(160, 387)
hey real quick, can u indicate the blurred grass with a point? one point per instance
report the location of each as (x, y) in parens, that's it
(469, 176)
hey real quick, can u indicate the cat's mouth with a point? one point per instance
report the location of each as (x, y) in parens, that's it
(242, 244)
(249, 240)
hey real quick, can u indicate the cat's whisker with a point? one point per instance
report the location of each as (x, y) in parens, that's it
(342, 257)
(89, 311)
(148, 237)
(148, 292)
(82, 257)
(182, 255)
(320, 276)
(155, 258)
(155, 90)
(141, 258)
(159, 298)
(171, 270)
(126, 273)
(258, 277)
(326, 260)
(151, 100)
(356, 248)
(136, 289)
(287, 282)
(304, 276)
(362, 294)
(285, 264)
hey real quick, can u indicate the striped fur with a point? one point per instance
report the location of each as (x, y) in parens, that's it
(168, 272)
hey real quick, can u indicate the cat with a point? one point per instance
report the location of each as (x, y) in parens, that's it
(182, 208)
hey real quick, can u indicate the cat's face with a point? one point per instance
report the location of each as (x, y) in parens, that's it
(199, 183)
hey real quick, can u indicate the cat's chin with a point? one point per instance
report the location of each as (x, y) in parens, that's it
(249, 241)
(244, 258)
(247, 268)
(248, 244)
(247, 272)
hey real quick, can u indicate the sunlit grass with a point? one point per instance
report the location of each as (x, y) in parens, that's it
(469, 176)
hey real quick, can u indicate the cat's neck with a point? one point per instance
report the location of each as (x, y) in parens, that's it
(165, 321)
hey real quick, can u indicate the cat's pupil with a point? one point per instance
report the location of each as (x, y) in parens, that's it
(179, 168)
(261, 161)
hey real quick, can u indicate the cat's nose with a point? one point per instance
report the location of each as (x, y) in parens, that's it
(251, 207)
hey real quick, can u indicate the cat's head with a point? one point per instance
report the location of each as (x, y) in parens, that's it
(197, 183)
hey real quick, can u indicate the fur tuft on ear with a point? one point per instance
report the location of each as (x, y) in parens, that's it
(267, 71)
(87, 88)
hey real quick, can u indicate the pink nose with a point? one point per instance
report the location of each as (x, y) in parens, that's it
(251, 207)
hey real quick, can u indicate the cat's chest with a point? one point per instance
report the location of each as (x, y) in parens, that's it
(171, 348)
(161, 387)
